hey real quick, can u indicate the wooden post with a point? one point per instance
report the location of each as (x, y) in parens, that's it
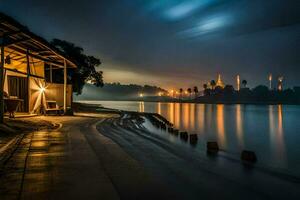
(28, 79)
(51, 78)
(1, 82)
(65, 86)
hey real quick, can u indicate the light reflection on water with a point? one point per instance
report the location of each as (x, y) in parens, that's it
(220, 125)
(271, 131)
(239, 126)
(276, 133)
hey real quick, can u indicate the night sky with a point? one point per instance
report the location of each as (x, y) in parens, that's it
(174, 43)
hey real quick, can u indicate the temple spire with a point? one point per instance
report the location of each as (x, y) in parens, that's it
(220, 82)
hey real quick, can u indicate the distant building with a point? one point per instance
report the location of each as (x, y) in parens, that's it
(270, 81)
(238, 82)
(29, 59)
(280, 86)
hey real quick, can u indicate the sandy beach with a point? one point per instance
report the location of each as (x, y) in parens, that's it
(74, 161)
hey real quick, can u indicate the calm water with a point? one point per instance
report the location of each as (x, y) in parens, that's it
(272, 131)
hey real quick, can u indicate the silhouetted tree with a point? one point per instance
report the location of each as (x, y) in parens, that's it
(261, 93)
(228, 90)
(213, 84)
(206, 91)
(180, 92)
(218, 90)
(86, 65)
(244, 83)
(196, 91)
(189, 90)
(260, 90)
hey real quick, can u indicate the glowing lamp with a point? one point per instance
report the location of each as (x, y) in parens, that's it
(42, 89)
(270, 77)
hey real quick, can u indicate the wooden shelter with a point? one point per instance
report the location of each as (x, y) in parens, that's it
(24, 57)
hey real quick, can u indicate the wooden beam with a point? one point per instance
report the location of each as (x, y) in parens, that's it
(23, 51)
(17, 58)
(13, 27)
(15, 41)
(13, 33)
(9, 33)
(23, 73)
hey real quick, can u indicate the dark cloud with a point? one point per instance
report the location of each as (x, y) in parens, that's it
(179, 42)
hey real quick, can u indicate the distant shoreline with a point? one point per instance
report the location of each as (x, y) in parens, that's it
(198, 102)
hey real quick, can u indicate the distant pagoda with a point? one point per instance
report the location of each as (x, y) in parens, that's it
(220, 82)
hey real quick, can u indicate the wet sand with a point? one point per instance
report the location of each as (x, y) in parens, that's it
(104, 156)
(193, 175)
(74, 161)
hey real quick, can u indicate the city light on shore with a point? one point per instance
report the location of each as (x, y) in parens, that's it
(280, 80)
(238, 82)
(270, 81)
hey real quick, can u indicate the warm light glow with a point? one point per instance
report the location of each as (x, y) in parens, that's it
(219, 81)
(159, 108)
(171, 112)
(200, 114)
(279, 136)
(277, 132)
(238, 82)
(141, 107)
(270, 81)
(239, 125)
(220, 124)
(141, 95)
(280, 79)
(42, 89)
(192, 115)
(177, 113)
(171, 93)
(186, 115)
(160, 94)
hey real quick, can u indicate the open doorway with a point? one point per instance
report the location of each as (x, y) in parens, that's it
(18, 88)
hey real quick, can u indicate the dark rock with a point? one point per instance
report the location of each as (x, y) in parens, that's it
(212, 146)
(248, 156)
(170, 130)
(176, 132)
(193, 138)
(184, 135)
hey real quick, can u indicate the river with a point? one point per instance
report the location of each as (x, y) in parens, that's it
(272, 131)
